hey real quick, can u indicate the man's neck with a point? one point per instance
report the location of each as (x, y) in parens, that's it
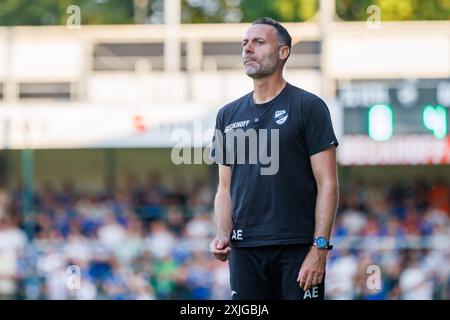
(267, 88)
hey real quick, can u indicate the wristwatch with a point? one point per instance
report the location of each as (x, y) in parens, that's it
(322, 243)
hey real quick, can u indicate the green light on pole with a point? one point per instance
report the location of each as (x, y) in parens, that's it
(435, 119)
(381, 122)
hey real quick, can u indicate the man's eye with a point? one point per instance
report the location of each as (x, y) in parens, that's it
(260, 42)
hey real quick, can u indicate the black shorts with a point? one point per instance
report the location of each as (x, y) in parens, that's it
(270, 273)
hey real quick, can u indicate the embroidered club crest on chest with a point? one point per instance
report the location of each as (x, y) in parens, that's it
(281, 116)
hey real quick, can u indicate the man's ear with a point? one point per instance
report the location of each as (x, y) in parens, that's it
(283, 52)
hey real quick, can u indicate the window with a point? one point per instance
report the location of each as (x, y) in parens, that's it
(305, 54)
(50, 90)
(128, 56)
(222, 55)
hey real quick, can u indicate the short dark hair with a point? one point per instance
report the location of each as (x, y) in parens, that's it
(282, 34)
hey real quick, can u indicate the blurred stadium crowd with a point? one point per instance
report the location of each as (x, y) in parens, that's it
(147, 241)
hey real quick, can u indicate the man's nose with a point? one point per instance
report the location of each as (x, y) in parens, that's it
(248, 48)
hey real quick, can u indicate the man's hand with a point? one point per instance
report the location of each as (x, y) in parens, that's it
(220, 248)
(313, 268)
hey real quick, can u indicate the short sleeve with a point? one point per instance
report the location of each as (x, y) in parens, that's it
(318, 128)
(218, 147)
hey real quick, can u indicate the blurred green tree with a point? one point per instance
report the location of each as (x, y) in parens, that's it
(283, 10)
(354, 10)
(47, 12)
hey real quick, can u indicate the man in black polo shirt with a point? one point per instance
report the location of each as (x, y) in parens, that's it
(278, 191)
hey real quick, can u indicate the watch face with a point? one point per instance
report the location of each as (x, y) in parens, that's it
(321, 242)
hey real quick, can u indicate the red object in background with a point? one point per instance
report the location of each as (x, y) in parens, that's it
(439, 197)
(139, 124)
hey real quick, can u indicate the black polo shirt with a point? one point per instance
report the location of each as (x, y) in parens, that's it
(273, 190)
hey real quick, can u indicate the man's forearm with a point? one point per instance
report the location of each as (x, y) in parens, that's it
(326, 204)
(222, 213)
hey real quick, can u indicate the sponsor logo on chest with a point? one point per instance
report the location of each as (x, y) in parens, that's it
(235, 125)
